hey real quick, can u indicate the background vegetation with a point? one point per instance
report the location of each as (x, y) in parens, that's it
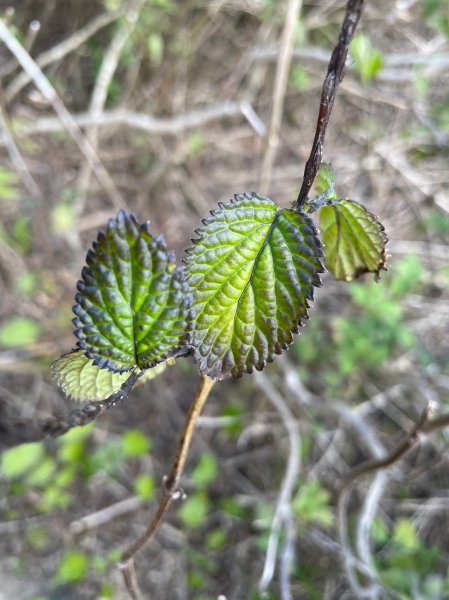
(175, 101)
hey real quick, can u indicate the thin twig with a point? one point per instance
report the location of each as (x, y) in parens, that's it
(105, 515)
(335, 73)
(371, 466)
(349, 561)
(48, 91)
(139, 120)
(279, 90)
(376, 465)
(62, 49)
(30, 430)
(172, 491)
(368, 437)
(100, 92)
(373, 587)
(365, 521)
(430, 64)
(17, 158)
(282, 517)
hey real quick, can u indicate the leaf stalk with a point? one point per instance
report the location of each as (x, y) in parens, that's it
(171, 484)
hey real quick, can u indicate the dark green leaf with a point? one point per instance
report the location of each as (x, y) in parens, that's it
(133, 305)
(353, 238)
(252, 273)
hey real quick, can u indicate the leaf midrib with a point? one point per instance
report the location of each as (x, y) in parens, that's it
(255, 261)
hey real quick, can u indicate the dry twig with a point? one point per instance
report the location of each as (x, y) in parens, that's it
(280, 87)
(48, 91)
(61, 50)
(100, 92)
(282, 520)
(140, 121)
(17, 158)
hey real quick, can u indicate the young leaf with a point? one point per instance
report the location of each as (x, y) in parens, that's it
(80, 379)
(324, 182)
(132, 302)
(353, 238)
(252, 272)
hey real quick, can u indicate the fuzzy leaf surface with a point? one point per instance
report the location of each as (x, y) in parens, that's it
(132, 305)
(354, 240)
(252, 273)
(80, 379)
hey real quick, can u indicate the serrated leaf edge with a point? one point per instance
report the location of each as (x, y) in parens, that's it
(279, 347)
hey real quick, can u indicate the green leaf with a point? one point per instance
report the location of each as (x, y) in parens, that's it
(205, 471)
(312, 504)
(354, 240)
(405, 534)
(144, 486)
(82, 380)
(132, 305)
(42, 472)
(73, 567)
(194, 510)
(17, 461)
(368, 60)
(324, 182)
(135, 443)
(252, 273)
(19, 331)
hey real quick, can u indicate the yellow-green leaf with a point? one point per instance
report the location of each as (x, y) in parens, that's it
(82, 380)
(354, 240)
(252, 272)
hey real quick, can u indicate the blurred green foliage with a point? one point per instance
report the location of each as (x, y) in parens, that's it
(299, 78)
(8, 184)
(312, 505)
(135, 443)
(368, 60)
(19, 460)
(72, 567)
(373, 331)
(436, 14)
(19, 331)
(409, 566)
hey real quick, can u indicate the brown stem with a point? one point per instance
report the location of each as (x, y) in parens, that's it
(334, 76)
(172, 491)
(408, 442)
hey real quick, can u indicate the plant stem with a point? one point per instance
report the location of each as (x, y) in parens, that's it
(171, 483)
(334, 76)
(19, 431)
(371, 466)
